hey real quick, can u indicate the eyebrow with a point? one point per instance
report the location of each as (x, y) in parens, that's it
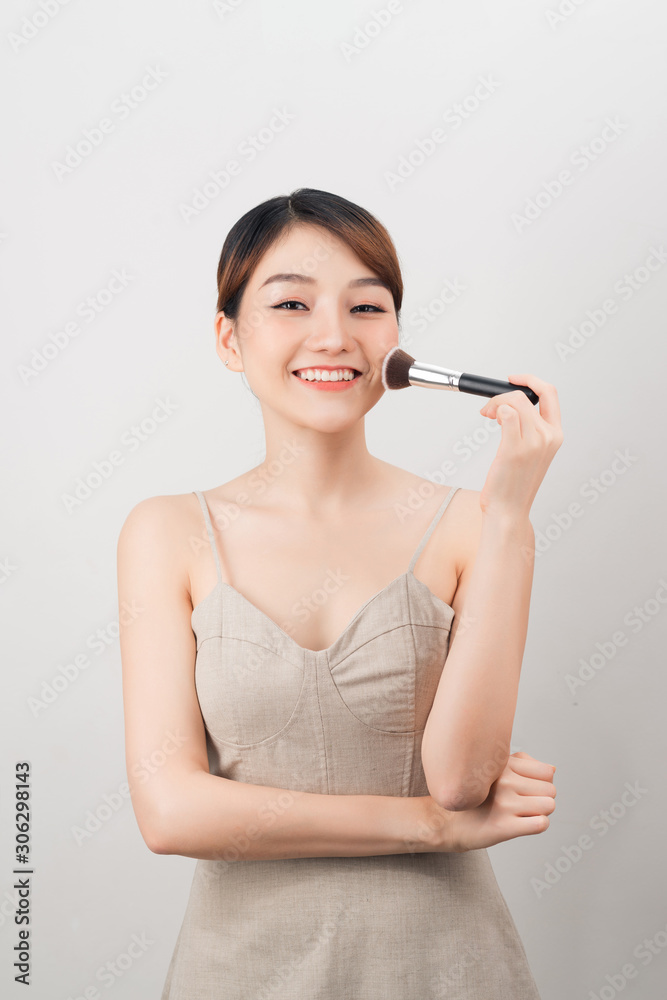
(308, 279)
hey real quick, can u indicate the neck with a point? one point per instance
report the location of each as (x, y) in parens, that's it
(317, 472)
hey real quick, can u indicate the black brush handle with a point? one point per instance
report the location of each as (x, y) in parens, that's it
(478, 385)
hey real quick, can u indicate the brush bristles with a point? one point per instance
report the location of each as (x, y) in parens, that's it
(395, 369)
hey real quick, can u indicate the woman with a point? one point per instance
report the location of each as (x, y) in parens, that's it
(289, 722)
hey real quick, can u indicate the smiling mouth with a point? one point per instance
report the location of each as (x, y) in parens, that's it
(326, 376)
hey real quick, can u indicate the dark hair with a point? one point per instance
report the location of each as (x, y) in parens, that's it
(256, 231)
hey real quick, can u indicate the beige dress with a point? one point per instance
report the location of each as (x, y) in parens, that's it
(346, 720)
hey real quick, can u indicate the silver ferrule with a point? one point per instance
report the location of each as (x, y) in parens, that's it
(433, 376)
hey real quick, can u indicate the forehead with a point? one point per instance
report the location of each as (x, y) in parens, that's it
(310, 251)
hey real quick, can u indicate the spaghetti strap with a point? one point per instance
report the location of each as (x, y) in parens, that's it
(209, 528)
(427, 534)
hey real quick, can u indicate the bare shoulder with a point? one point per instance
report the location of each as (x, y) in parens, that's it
(155, 534)
(149, 519)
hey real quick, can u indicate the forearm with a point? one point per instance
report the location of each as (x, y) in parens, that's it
(216, 818)
(466, 741)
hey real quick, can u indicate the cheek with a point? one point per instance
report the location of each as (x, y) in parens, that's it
(378, 350)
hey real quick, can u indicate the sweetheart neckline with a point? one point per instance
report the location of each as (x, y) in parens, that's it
(407, 574)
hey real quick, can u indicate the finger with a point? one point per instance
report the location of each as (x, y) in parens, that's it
(530, 766)
(549, 406)
(512, 424)
(534, 786)
(519, 402)
(492, 410)
(534, 805)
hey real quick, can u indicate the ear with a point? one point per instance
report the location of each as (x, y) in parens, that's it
(226, 342)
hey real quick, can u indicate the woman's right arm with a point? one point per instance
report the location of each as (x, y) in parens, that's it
(180, 807)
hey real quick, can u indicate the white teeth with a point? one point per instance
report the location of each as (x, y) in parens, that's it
(323, 375)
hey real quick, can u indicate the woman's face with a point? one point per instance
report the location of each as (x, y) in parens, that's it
(332, 313)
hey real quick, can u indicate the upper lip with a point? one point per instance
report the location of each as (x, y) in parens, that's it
(328, 368)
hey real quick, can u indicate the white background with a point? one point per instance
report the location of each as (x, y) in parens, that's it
(358, 109)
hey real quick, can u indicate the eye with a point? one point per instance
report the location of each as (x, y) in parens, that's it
(289, 302)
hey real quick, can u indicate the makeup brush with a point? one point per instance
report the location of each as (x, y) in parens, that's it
(399, 370)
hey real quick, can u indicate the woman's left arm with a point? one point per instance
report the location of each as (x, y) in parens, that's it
(466, 741)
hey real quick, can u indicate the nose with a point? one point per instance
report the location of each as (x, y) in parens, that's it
(329, 332)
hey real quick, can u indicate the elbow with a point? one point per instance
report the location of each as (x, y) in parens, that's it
(155, 837)
(459, 799)
(457, 791)
(156, 830)
(156, 842)
(457, 796)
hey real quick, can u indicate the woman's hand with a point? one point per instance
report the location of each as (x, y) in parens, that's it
(528, 444)
(519, 803)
